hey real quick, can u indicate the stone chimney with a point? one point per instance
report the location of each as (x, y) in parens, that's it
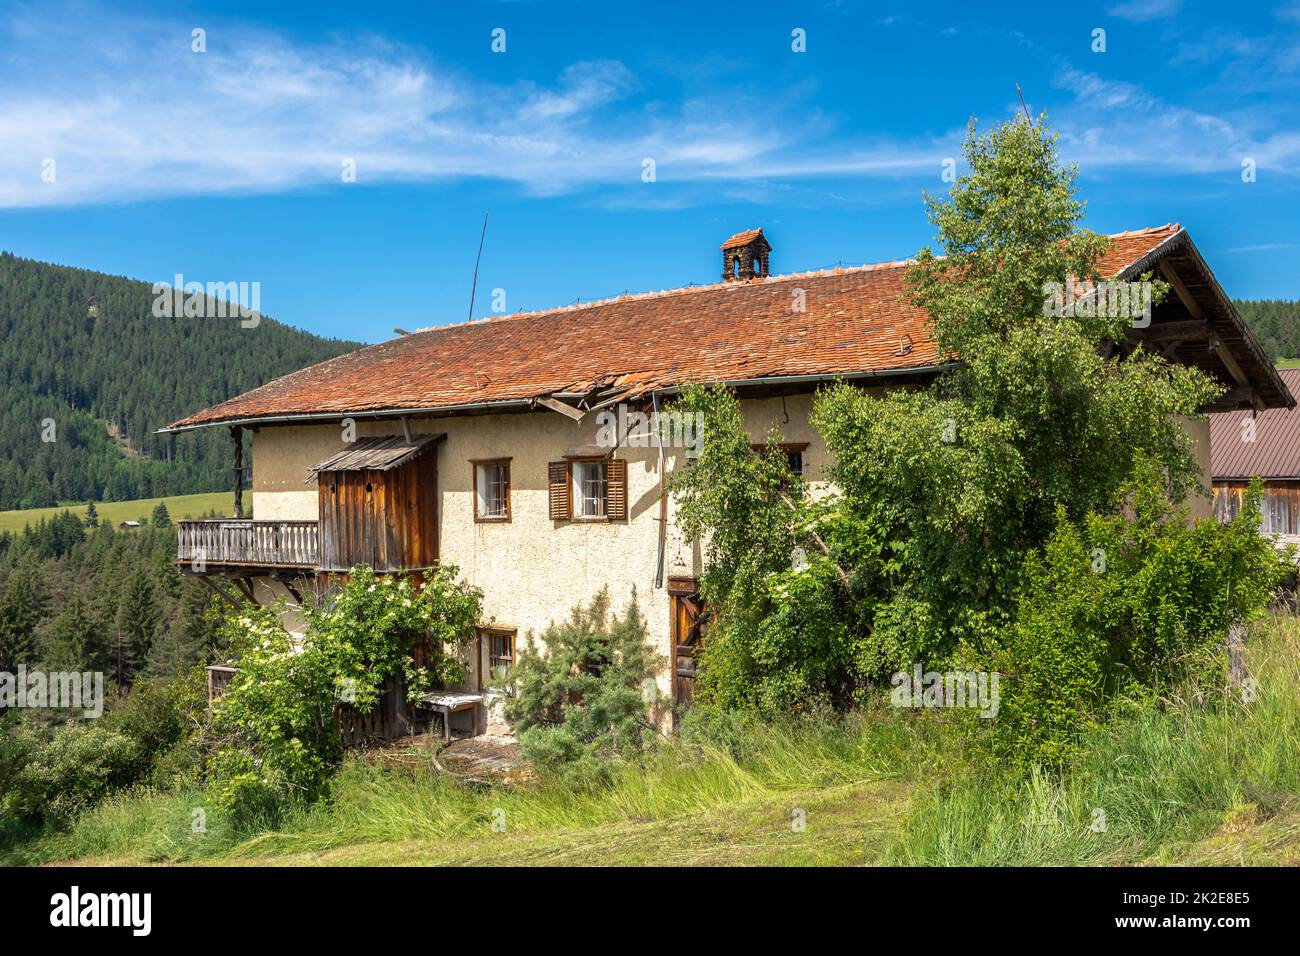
(745, 256)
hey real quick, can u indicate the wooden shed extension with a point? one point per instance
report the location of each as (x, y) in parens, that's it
(1265, 445)
(379, 504)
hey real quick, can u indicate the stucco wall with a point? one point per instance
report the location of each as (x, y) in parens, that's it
(532, 570)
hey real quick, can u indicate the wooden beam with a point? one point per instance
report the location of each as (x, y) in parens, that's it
(1189, 303)
(1235, 398)
(1222, 351)
(1179, 331)
(246, 588)
(288, 586)
(222, 593)
(237, 435)
(555, 405)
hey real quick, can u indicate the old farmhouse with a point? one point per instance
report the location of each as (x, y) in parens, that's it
(480, 444)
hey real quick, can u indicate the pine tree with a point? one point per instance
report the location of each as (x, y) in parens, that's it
(191, 638)
(67, 643)
(161, 516)
(135, 625)
(22, 605)
(92, 516)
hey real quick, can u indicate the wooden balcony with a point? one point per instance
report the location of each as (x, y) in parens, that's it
(244, 543)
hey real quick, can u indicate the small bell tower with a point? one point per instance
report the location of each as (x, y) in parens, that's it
(745, 256)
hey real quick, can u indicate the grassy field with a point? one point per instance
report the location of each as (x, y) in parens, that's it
(1288, 363)
(180, 506)
(1185, 783)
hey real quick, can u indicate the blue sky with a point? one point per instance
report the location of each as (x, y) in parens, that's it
(227, 165)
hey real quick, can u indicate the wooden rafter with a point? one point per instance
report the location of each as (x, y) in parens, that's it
(235, 602)
(1216, 344)
(556, 405)
(288, 586)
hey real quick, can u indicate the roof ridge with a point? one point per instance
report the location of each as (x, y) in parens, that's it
(1148, 231)
(712, 286)
(681, 290)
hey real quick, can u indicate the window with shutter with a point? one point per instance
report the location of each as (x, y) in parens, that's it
(616, 491)
(558, 490)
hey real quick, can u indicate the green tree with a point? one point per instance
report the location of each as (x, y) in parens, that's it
(67, 643)
(23, 601)
(943, 492)
(135, 625)
(92, 516)
(193, 635)
(161, 516)
(590, 695)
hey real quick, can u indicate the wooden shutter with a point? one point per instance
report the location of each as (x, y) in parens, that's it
(558, 492)
(616, 490)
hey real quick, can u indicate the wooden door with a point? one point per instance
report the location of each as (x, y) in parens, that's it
(687, 637)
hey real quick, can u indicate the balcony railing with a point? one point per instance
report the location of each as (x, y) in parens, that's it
(268, 544)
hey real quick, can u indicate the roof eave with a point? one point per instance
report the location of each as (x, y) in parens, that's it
(529, 403)
(1180, 240)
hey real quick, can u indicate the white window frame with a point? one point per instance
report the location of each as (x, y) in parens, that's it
(483, 471)
(580, 480)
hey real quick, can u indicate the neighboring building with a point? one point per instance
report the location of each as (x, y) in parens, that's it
(479, 444)
(1248, 444)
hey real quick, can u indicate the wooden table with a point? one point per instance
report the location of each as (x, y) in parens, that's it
(448, 704)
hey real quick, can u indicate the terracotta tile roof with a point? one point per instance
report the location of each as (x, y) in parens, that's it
(854, 323)
(1275, 452)
(742, 238)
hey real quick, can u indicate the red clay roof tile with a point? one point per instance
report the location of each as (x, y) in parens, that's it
(742, 238)
(853, 322)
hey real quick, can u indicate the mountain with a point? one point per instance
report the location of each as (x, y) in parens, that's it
(1275, 322)
(87, 373)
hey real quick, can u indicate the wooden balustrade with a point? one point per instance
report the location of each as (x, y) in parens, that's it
(245, 542)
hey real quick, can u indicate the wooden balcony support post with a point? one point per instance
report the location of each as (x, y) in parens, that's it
(237, 433)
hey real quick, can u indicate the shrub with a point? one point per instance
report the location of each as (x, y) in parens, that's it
(1124, 607)
(275, 733)
(159, 717)
(588, 696)
(56, 779)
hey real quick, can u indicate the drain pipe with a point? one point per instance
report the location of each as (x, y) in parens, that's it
(663, 498)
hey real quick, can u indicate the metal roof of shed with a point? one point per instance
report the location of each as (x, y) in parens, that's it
(377, 454)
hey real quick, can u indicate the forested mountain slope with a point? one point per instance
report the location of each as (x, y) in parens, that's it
(1275, 322)
(84, 350)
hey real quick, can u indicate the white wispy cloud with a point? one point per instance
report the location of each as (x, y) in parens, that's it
(1111, 123)
(126, 111)
(1263, 247)
(1141, 11)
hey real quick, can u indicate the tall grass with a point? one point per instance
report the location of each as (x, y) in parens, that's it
(1152, 782)
(1163, 778)
(370, 802)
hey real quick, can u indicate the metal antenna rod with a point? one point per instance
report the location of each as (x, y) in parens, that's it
(1023, 106)
(474, 288)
